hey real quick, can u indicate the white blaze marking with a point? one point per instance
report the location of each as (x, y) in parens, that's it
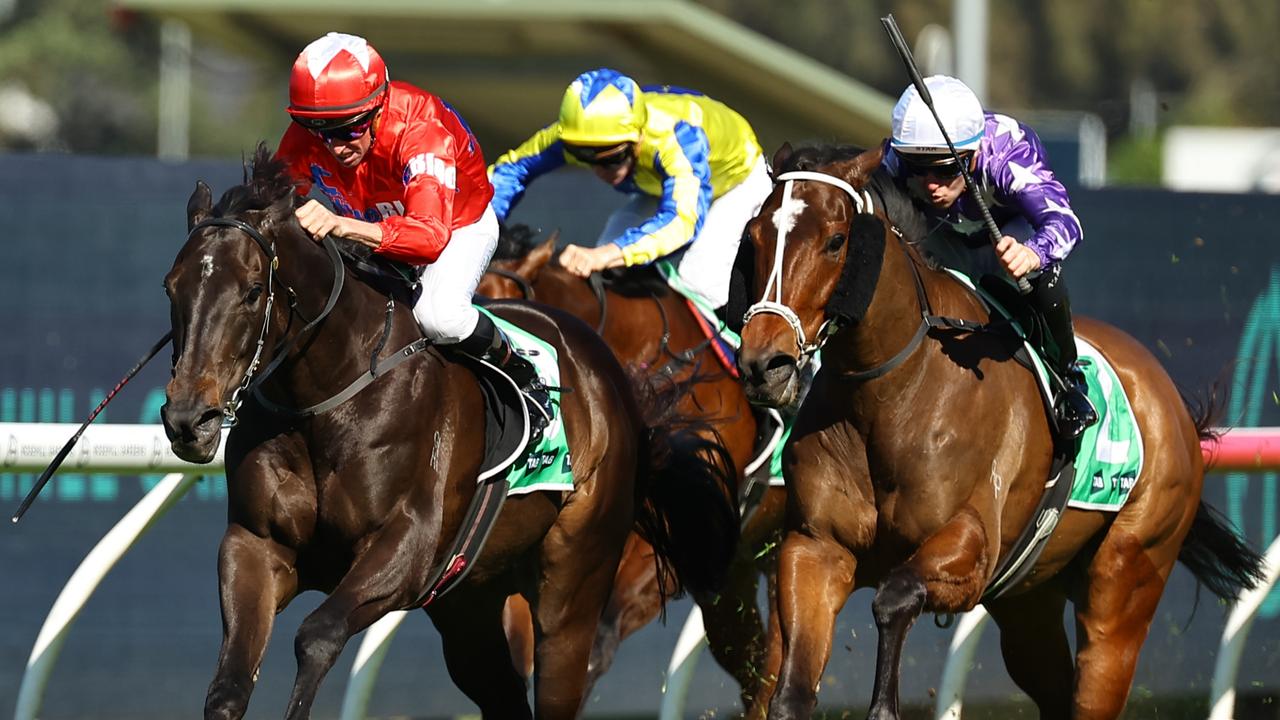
(784, 218)
(206, 267)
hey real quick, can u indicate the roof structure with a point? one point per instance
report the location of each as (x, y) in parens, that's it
(505, 63)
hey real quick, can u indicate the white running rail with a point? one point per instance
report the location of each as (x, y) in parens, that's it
(1222, 698)
(30, 447)
(139, 449)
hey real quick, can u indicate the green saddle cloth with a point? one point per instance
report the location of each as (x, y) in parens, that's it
(1110, 456)
(548, 466)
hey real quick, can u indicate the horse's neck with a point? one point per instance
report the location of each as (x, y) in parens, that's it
(339, 347)
(558, 287)
(891, 320)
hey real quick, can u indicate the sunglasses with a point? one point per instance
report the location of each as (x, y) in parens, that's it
(947, 169)
(339, 131)
(607, 157)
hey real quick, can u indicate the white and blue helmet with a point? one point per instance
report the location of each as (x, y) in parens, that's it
(915, 131)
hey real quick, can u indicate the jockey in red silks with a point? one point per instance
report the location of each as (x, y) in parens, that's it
(407, 178)
(1008, 163)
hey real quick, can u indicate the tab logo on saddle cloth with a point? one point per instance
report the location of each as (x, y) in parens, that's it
(547, 466)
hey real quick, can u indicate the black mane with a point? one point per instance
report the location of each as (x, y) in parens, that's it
(266, 183)
(515, 241)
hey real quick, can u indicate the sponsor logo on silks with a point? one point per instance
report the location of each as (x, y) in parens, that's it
(387, 209)
(338, 200)
(429, 164)
(380, 211)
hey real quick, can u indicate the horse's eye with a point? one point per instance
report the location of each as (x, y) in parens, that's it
(835, 242)
(252, 296)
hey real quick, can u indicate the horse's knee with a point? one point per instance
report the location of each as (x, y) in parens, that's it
(320, 638)
(900, 596)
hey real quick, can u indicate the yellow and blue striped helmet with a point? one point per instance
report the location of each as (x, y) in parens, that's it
(602, 107)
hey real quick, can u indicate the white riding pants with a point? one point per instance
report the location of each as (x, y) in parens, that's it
(444, 307)
(704, 264)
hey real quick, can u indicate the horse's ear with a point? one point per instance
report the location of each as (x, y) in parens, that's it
(198, 204)
(858, 170)
(780, 156)
(867, 162)
(537, 258)
(278, 212)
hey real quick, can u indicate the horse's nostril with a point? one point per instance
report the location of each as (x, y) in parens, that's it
(212, 415)
(779, 361)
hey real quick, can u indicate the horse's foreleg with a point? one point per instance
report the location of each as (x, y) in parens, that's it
(757, 706)
(735, 633)
(815, 577)
(517, 624)
(945, 574)
(378, 582)
(1034, 644)
(255, 577)
(475, 649)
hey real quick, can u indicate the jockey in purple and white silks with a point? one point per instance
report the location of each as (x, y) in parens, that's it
(1030, 206)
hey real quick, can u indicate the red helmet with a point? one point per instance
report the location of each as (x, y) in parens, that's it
(337, 77)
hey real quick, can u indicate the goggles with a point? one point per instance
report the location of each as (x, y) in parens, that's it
(338, 130)
(601, 156)
(928, 166)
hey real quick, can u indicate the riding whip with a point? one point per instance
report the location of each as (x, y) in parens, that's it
(895, 36)
(62, 454)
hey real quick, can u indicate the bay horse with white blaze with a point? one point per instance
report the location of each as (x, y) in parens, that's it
(920, 453)
(653, 330)
(363, 499)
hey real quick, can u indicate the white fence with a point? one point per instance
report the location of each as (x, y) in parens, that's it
(137, 449)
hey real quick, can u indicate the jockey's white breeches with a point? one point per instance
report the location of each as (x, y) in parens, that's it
(704, 264)
(444, 307)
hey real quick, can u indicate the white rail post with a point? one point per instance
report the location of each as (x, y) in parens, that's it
(364, 671)
(85, 580)
(684, 660)
(1222, 700)
(964, 643)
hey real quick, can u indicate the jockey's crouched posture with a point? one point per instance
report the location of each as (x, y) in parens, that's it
(1009, 164)
(692, 166)
(407, 178)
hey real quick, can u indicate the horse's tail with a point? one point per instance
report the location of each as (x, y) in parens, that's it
(1218, 557)
(1214, 552)
(685, 491)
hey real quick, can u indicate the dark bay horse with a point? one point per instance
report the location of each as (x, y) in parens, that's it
(363, 500)
(917, 458)
(651, 328)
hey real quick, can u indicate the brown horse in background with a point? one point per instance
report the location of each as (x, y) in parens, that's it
(362, 500)
(652, 329)
(917, 459)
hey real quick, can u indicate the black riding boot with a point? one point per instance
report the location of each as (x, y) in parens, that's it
(488, 343)
(1073, 409)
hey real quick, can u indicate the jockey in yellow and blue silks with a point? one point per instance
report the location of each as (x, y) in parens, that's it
(693, 168)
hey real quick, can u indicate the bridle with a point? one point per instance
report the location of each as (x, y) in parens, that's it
(252, 380)
(862, 205)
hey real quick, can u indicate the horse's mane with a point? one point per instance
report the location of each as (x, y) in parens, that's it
(899, 206)
(515, 241)
(266, 183)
